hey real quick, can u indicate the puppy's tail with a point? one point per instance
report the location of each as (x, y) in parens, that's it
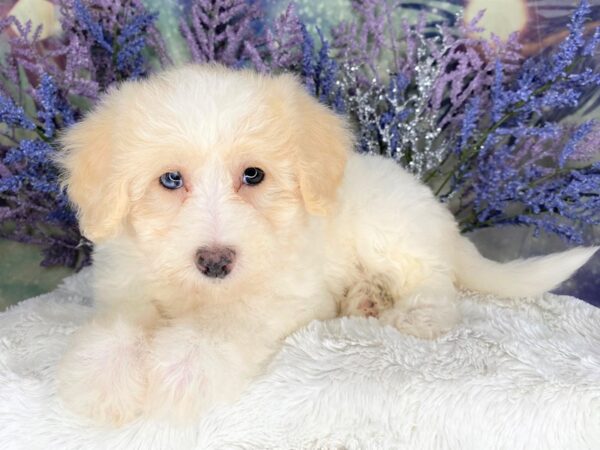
(519, 278)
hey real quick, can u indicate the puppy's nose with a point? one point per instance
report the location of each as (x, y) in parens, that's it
(215, 262)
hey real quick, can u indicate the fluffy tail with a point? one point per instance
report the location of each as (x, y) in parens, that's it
(519, 278)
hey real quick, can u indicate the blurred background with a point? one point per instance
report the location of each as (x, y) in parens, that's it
(541, 23)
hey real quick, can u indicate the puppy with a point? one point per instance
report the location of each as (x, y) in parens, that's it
(227, 210)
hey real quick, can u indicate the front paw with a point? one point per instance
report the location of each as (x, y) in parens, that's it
(189, 374)
(102, 376)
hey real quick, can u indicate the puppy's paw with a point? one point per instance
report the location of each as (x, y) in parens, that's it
(426, 322)
(368, 297)
(367, 308)
(190, 374)
(102, 376)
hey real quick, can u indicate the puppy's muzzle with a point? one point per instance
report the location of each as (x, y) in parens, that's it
(215, 262)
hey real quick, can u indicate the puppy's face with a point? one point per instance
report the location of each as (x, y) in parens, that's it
(211, 174)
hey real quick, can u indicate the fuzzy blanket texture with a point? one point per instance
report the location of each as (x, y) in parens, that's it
(514, 375)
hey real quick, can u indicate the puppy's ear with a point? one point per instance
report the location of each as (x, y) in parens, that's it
(325, 141)
(94, 187)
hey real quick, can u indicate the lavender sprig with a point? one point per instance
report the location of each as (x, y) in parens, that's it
(45, 85)
(120, 37)
(222, 31)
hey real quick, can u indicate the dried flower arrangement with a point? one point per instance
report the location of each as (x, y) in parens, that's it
(486, 127)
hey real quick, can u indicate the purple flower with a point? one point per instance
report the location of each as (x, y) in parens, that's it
(46, 94)
(132, 41)
(88, 23)
(284, 42)
(472, 118)
(13, 115)
(319, 71)
(28, 151)
(362, 42)
(118, 36)
(516, 169)
(576, 137)
(222, 30)
(573, 45)
(10, 184)
(469, 122)
(283, 46)
(105, 41)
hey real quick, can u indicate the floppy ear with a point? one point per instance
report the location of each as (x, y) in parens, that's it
(94, 187)
(325, 141)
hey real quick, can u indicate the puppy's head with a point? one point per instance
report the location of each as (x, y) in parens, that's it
(211, 173)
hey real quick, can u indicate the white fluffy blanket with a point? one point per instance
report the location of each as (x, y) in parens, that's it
(513, 375)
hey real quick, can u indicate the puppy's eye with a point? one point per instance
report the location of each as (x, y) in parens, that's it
(171, 180)
(253, 176)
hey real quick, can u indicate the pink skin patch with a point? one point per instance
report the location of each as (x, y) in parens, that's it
(368, 308)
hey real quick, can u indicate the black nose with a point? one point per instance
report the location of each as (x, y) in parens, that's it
(215, 262)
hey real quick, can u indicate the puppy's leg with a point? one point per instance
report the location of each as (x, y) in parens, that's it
(102, 376)
(428, 311)
(191, 371)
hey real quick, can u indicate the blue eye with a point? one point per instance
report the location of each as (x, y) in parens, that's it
(253, 176)
(171, 180)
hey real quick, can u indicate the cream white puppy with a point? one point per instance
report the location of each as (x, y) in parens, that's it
(228, 210)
